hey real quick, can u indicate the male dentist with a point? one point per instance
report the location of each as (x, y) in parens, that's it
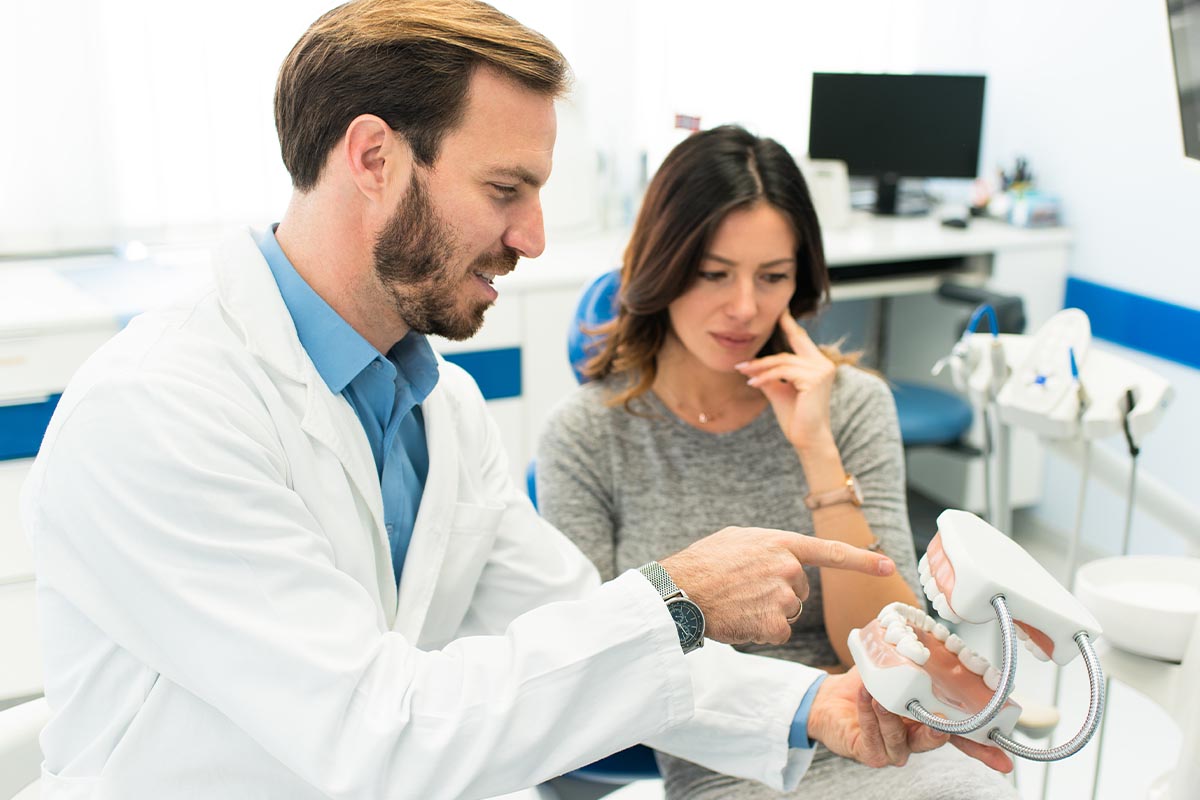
(278, 552)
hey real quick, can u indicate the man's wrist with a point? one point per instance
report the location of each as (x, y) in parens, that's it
(800, 734)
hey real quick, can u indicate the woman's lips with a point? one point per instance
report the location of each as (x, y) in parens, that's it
(733, 341)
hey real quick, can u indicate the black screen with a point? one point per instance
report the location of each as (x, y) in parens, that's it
(1184, 16)
(912, 125)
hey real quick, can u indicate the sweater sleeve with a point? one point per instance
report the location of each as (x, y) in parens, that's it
(575, 481)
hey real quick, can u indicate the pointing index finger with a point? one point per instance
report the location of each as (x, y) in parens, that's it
(810, 550)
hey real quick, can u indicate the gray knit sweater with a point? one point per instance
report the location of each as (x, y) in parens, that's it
(631, 488)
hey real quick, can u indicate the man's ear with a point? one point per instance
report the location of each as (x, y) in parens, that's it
(378, 160)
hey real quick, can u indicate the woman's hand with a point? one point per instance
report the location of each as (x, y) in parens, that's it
(798, 386)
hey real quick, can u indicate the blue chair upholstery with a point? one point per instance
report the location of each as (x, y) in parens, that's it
(597, 305)
(930, 415)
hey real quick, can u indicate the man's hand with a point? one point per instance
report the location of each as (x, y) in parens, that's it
(849, 722)
(749, 581)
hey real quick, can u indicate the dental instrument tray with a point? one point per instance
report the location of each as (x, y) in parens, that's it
(914, 666)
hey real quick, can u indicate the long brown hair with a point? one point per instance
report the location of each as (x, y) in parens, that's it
(700, 182)
(409, 62)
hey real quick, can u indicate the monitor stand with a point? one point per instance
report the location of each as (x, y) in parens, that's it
(891, 202)
(887, 189)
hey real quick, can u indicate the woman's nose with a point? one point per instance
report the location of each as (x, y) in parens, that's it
(743, 304)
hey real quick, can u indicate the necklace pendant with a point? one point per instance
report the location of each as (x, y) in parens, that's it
(704, 418)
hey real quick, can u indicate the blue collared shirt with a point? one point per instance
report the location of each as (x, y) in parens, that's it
(384, 391)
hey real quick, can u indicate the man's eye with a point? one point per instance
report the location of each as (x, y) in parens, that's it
(505, 190)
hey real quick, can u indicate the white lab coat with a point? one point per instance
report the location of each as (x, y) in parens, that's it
(221, 621)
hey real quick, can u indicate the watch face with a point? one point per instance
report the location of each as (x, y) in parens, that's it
(689, 621)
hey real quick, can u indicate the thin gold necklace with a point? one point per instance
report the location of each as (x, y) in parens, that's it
(702, 416)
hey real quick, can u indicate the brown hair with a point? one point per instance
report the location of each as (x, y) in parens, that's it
(407, 61)
(702, 180)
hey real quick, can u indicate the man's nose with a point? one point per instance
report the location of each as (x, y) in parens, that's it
(527, 233)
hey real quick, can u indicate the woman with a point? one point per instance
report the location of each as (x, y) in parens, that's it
(673, 434)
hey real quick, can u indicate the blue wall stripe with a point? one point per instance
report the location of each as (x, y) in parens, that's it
(1152, 326)
(498, 372)
(22, 428)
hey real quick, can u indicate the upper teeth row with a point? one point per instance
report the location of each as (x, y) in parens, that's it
(936, 596)
(1030, 645)
(942, 606)
(899, 621)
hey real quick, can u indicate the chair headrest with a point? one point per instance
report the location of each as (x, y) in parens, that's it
(597, 305)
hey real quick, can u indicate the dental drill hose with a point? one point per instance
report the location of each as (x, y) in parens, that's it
(1094, 715)
(1008, 673)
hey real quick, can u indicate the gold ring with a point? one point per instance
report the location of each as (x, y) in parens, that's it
(794, 617)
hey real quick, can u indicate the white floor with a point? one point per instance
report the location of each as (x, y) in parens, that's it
(1140, 741)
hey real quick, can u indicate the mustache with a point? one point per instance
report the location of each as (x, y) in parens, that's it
(500, 263)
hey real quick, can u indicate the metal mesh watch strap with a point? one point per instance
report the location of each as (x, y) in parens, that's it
(659, 578)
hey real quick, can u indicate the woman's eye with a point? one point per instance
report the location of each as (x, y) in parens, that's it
(775, 277)
(708, 275)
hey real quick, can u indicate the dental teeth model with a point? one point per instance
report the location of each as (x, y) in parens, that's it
(914, 666)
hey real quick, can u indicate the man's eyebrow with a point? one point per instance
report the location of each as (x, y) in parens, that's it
(517, 174)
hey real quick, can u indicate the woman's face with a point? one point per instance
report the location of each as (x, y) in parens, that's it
(745, 281)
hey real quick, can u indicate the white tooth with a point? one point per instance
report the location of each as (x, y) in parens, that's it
(1038, 652)
(991, 678)
(923, 567)
(941, 632)
(895, 632)
(928, 623)
(942, 606)
(913, 650)
(954, 644)
(1021, 634)
(973, 661)
(891, 619)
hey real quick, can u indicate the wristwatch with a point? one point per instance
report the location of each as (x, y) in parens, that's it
(848, 492)
(689, 619)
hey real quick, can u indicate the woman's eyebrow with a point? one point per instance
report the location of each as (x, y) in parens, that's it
(766, 264)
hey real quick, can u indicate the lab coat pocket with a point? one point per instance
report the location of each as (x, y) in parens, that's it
(472, 533)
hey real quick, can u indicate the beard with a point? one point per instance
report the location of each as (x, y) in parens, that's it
(413, 257)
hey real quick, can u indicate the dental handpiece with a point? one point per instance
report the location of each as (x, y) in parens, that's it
(914, 666)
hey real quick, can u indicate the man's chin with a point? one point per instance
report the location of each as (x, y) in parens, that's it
(464, 327)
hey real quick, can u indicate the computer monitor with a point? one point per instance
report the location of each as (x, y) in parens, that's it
(893, 126)
(1184, 17)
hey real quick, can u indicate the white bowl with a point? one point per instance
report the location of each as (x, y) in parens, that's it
(1146, 604)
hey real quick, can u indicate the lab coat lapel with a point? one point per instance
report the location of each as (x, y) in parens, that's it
(330, 420)
(431, 531)
(248, 289)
